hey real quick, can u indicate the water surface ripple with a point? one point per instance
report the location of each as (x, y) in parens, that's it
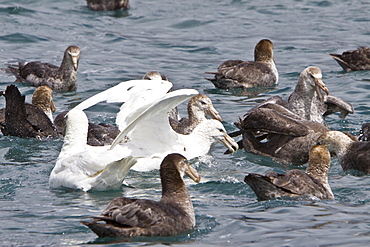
(183, 39)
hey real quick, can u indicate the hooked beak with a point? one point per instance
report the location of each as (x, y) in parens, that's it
(192, 173)
(75, 59)
(319, 84)
(230, 143)
(52, 106)
(213, 113)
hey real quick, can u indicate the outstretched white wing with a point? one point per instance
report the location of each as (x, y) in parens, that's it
(150, 132)
(128, 90)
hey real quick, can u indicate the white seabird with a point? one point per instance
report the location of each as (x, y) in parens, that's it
(85, 167)
(147, 139)
(144, 124)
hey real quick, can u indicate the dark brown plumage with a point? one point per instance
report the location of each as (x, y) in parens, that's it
(61, 78)
(274, 131)
(365, 132)
(171, 215)
(351, 154)
(296, 183)
(354, 59)
(104, 5)
(23, 119)
(261, 72)
(286, 130)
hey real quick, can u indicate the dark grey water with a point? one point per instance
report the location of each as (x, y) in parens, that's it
(183, 39)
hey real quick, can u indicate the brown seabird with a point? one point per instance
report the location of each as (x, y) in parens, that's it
(354, 60)
(364, 133)
(43, 98)
(171, 215)
(274, 131)
(61, 78)
(23, 119)
(350, 153)
(261, 72)
(296, 183)
(307, 100)
(106, 5)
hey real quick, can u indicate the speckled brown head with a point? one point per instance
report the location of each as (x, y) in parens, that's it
(264, 51)
(43, 97)
(73, 52)
(319, 163)
(313, 75)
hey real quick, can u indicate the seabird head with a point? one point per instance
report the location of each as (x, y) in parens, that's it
(334, 141)
(76, 122)
(181, 164)
(312, 75)
(218, 132)
(154, 75)
(264, 51)
(319, 162)
(201, 106)
(73, 52)
(43, 97)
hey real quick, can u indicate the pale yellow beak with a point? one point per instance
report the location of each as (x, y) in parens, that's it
(75, 61)
(213, 113)
(320, 85)
(192, 173)
(230, 143)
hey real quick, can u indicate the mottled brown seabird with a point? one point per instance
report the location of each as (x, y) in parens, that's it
(171, 215)
(62, 78)
(364, 133)
(296, 183)
(308, 101)
(274, 131)
(23, 119)
(261, 72)
(354, 60)
(107, 5)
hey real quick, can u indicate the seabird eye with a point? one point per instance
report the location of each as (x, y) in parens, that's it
(203, 103)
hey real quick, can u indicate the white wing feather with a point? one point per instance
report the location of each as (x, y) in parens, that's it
(152, 124)
(125, 91)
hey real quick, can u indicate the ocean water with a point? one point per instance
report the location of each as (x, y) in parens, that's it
(184, 39)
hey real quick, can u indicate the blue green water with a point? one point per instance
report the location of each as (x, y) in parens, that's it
(183, 39)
